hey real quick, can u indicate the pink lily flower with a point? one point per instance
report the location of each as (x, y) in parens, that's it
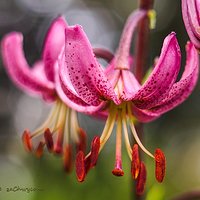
(191, 15)
(61, 129)
(117, 92)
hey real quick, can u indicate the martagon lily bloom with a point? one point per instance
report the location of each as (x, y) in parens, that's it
(191, 16)
(61, 129)
(121, 97)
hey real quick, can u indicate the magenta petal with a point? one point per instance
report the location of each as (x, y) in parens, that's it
(73, 101)
(54, 43)
(191, 14)
(18, 69)
(38, 70)
(183, 88)
(84, 71)
(67, 93)
(131, 85)
(144, 115)
(123, 51)
(65, 83)
(162, 77)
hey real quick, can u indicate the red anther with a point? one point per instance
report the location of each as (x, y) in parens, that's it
(58, 148)
(48, 139)
(26, 138)
(67, 158)
(117, 172)
(87, 164)
(39, 150)
(81, 146)
(135, 163)
(160, 167)
(80, 166)
(95, 146)
(141, 180)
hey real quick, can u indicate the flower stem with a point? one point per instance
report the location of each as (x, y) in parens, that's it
(142, 42)
(141, 55)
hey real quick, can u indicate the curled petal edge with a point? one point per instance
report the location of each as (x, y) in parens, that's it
(162, 77)
(184, 87)
(53, 45)
(20, 72)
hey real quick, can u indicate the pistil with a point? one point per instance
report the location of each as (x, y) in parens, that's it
(118, 160)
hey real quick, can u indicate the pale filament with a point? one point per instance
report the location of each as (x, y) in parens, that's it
(125, 130)
(108, 127)
(61, 120)
(123, 120)
(74, 128)
(54, 112)
(137, 139)
(67, 127)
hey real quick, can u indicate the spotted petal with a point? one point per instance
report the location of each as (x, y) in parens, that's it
(19, 70)
(183, 88)
(54, 43)
(85, 73)
(67, 93)
(162, 77)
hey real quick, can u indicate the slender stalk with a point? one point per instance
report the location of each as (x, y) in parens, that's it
(142, 42)
(141, 55)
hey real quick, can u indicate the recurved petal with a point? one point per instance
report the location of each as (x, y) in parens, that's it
(183, 88)
(67, 93)
(162, 77)
(18, 69)
(38, 70)
(144, 115)
(190, 12)
(193, 14)
(54, 43)
(85, 73)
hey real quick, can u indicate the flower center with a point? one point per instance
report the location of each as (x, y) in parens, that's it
(122, 115)
(57, 133)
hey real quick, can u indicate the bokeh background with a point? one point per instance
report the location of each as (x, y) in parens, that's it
(177, 132)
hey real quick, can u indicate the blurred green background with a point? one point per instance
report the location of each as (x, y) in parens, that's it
(177, 132)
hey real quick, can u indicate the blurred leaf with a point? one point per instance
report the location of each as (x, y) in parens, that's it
(156, 192)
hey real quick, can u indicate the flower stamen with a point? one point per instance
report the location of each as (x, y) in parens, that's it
(135, 163)
(26, 138)
(160, 163)
(80, 166)
(141, 180)
(137, 139)
(39, 150)
(67, 158)
(48, 140)
(58, 133)
(110, 122)
(118, 161)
